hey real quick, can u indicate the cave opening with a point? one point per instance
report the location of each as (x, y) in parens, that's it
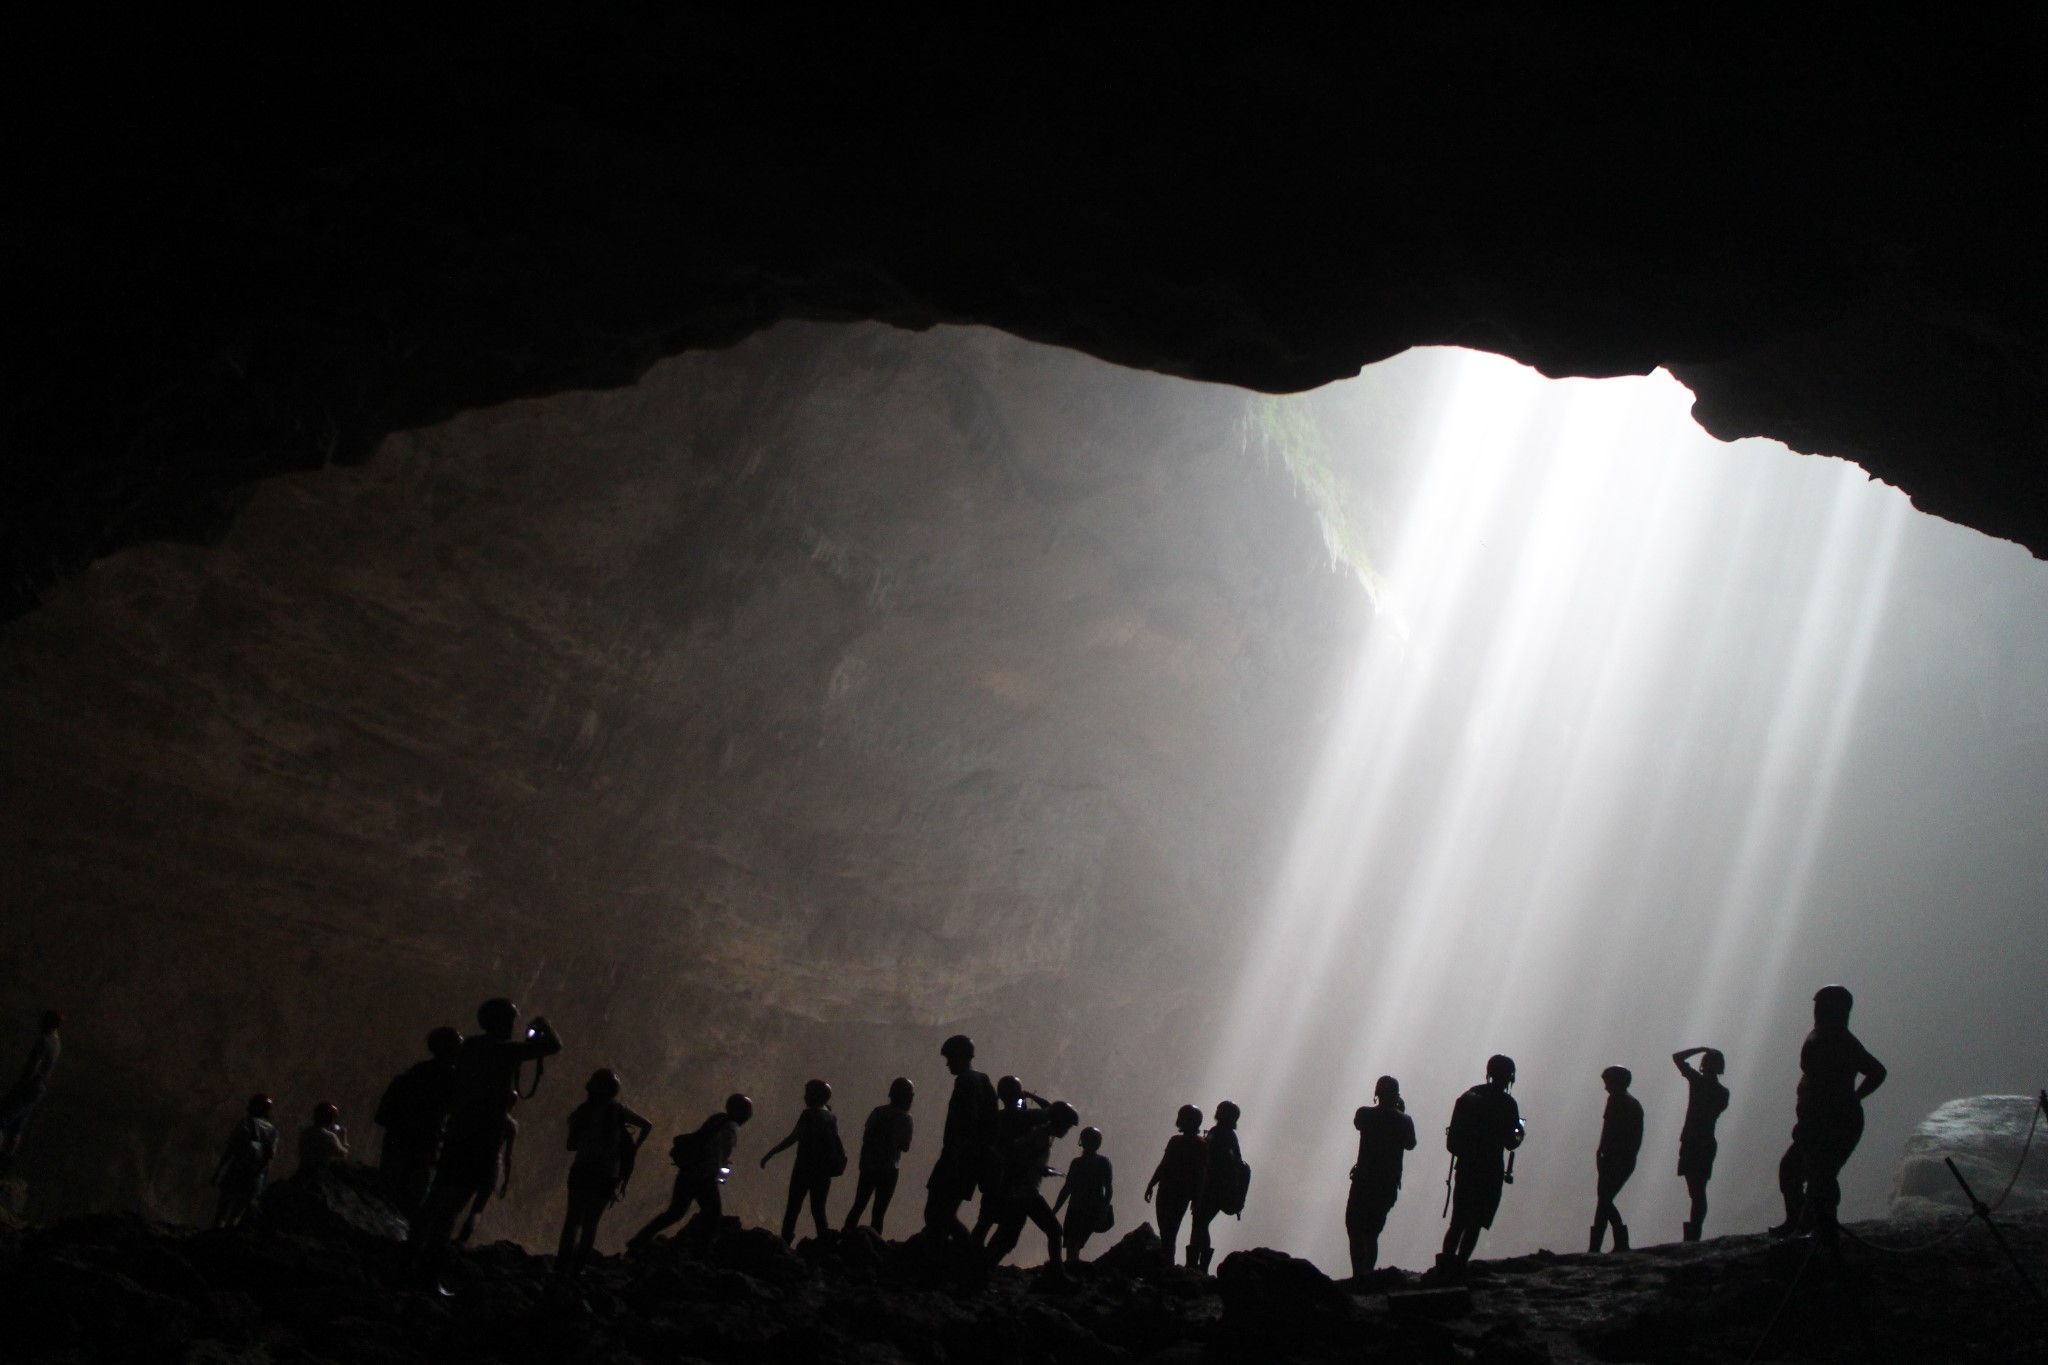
(813, 699)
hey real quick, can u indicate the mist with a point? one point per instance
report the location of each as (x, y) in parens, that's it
(814, 699)
(1651, 737)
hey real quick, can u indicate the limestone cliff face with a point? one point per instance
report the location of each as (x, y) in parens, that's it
(773, 717)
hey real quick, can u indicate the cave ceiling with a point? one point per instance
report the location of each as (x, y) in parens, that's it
(244, 249)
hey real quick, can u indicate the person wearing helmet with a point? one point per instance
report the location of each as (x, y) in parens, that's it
(1010, 1110)
(1614, 1161)
(1706, 1099)
(820, 1156)
(28, 1090)
(1178, 1176)
(605, 1136)
(963, 1145)
(412, 1114)
(244, 1163)
(884, 1138)
(1828, 1117)
(487, 1068)
(1486, 1125)
(1225, 1175)
(1020, 1168)
(702, 1158)
(323, 1142)
(1385, 1135)
(1091, 1185)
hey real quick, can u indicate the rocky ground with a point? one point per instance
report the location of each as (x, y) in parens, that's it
(323, 1278)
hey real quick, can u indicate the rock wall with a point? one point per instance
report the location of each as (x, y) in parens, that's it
(776, 716)
(1994, 1142)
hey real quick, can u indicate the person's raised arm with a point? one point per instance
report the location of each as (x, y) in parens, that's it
(1678, 1059)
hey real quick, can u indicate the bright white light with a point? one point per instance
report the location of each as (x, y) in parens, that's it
(1619, 658)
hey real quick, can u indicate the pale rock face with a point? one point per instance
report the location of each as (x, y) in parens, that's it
(1985, 1136)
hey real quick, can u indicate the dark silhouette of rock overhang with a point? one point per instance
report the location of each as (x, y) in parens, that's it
(248, 247)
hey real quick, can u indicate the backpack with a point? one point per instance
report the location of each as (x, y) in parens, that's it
(1466, 1136)
(1237, 1183)
(689, 1150)
(835, 1163)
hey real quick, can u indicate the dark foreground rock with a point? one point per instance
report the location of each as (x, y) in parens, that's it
(124, 1288)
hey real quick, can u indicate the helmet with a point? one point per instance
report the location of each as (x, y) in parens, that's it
(259, 1106)
(738, 1108)
(1009, 1090)
(959, 1045)
(1227, 1113)
(326, 1115)
(603, 1081)
(1091, 1138)
(444, 1043)
(1833, 1002)
(1500, 1067)
(1188, 1119)
(1063, 1115)
(496, 1017)
(1386, 1088)
(901, 1091)
(1618, 1075)
(817, 1093)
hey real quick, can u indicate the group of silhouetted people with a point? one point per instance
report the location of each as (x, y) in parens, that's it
(449, 1136)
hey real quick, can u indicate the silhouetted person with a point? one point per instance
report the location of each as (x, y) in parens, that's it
(1486, 1125)
(602, 1134)
(701, 1158)
(1224, 1177)
(479, 1120)
(820, 1155)
(1010, 1111)
(1614, 1161)
(244, 1163)
(1020, 1169)
(1178, 1177)
(29, 1088)
(412, 1114)
(884, 1138)
(1828, 1117)
(1087, 1191)
(1706, 1100)
(1385, 1134)
(323, 1142)
(501, 1185)
(963, 1147)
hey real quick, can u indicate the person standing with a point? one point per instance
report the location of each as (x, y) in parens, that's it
(1178, 1177)
(29, 1088)
(963, 1147)
(323, 1142)
(412, 1113)
(884, 1138)
(1706, 1100)
(244, 1163)
(602, 1135)
(1828, 1117)
(1088, 1191)
(1225, 1178)
(1017, 1172)
(820, 1156)
(480, 1121)
(1486, 1125)
(1385, 1135)
(1621, 1141)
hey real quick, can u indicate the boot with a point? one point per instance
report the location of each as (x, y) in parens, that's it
(1593, 1240)
(1194, 1256)
(1692, 1232)
(1621, 1237)
(1207, 1253)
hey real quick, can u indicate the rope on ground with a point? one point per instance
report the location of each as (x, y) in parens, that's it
(1968, 1218)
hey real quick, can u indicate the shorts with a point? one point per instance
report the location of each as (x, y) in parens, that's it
(1696, 1159)
(1475, 1198)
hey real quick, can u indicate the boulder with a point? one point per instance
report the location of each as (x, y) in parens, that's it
(339, 1200)
(1986, 1136)
(1137, 1252)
